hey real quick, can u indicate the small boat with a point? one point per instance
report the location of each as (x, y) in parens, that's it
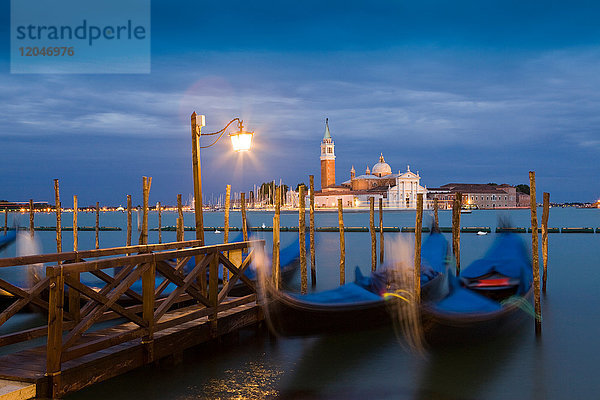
(7, 239)
(481, 233)
(491, 296)
(358, 305)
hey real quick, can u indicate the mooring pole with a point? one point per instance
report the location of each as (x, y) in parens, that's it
(227, 205)
(534, 249)
(97, 225)
(545, 215)
(75, 225)
(226, 228)
(302, 239)
(159, 222)
(74, 297)
(31, 222)
(373, 234)
(5, 220)
(436, 221)
(128, 243)
(276, 244)
(244, 220)
(381, 240)
(418, 235)
(58, 210)
(197, 124)
(313, 267)
(180, 224)
(147, 182)
(342, 243)
(456, 230)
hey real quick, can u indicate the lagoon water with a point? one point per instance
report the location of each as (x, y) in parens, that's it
(373, 364)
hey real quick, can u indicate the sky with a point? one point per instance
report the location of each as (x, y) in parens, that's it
(462, 91)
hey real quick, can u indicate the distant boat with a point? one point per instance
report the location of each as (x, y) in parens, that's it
(217, 231)
(465, 211)
(481, 233)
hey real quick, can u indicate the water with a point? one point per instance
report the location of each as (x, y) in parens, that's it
(373, 364)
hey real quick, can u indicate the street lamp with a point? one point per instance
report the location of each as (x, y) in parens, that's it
(240, 140)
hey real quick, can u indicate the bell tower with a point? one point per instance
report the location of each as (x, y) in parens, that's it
(327, 159)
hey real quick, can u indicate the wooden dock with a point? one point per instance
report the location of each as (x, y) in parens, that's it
(158, 322)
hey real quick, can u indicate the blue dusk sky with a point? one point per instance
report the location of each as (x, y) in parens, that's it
(462, 91)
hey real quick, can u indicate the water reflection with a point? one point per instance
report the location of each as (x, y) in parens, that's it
(255, 380)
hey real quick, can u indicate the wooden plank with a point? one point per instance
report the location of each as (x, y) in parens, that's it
(237, 274)
(55, 320)
(54, 257)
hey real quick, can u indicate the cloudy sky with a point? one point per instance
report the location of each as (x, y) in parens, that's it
(463, 91)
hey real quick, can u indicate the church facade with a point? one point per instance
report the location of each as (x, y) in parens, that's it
(397, 190)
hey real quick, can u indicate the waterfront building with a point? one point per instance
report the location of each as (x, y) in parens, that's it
(480, 196)
(397, 190)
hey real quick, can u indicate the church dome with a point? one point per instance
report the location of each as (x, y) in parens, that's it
(381, 168)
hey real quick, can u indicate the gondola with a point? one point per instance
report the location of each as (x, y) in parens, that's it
(7, 239)
(490, 297)
(357, 305)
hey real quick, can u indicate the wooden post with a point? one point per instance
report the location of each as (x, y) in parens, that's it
(213, 292)
(31, 221)
(276, 244)
(97, 225)
(313, 267)
(75, 224)
(226, 228)
(58, 210)
(373, 234)
(226, 214)
(180, 223)
(128, 220)
(159, 223)
(244, 220)
(147, 183)
(381, 241)
(148, 283)
(534, 249)
(342, 243)
(418, 236)
(302, 240)
(545, 214)
(197, 125)
(55, 329)
(456, 230)
(74, 298)
(5, 221)
(436, 206)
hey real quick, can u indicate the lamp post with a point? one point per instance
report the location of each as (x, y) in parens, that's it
(241, 141)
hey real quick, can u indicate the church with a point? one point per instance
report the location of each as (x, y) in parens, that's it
(398, 190)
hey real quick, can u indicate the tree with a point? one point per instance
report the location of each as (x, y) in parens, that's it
(522, 188)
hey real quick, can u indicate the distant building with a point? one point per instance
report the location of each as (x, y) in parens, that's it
(474, 195)
(23, 205)
(397, 190)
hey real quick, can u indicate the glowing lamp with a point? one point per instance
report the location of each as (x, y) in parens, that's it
(241, 140)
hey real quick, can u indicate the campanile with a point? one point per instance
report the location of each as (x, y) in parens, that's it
(327, 159)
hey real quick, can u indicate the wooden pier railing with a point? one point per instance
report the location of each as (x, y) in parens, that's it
(176, 275)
